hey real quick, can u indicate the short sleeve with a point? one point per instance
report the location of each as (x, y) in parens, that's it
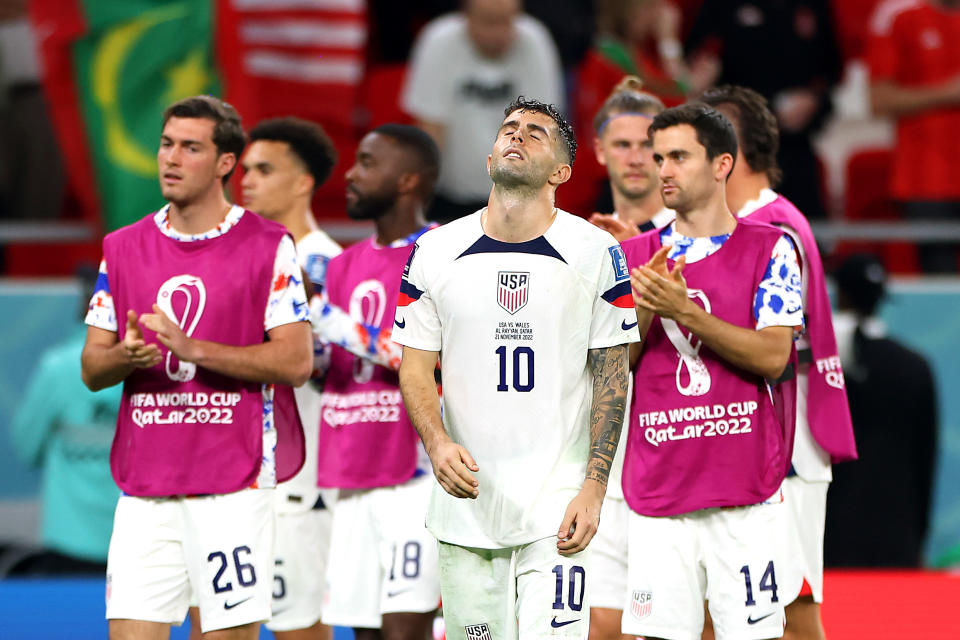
(425, 94)
(779, 298)
(314, 254)
(101, 312)
(417, 324)
(287, 301)
(614, 318)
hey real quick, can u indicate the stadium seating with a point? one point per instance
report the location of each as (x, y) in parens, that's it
(867, 200)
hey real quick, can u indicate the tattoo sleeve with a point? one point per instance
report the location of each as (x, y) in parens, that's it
(610, 368)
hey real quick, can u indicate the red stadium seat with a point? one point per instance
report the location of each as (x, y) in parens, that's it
(867, 199)
(380, 95)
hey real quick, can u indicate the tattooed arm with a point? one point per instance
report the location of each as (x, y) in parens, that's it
(610, 370)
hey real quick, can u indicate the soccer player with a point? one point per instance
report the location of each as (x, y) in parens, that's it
(718, 302)
(824, 431)
(530, 308)
(623, 147)
(382, 574)
(286, 161)
(214, 322)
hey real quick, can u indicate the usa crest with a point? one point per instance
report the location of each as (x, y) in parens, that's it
(513, 289)
(641, 604)
(478, 631)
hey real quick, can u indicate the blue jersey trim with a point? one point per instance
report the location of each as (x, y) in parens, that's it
(537, 246)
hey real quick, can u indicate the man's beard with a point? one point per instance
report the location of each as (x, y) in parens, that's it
(370, 207)
(525, 179)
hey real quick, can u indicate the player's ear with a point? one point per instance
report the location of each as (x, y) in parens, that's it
(723, 166)
(598, 149)
(489, 158)
(226, 162)
(408, 183)
(560, 175)
(304, 184)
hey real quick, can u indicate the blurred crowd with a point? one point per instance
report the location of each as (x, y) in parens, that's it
(449, 66)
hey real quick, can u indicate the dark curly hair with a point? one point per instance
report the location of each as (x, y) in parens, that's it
(308, 142)
(756, 126)
(551, 111)
(424, 153)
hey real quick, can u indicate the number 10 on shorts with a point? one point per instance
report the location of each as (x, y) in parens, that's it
(574, 588)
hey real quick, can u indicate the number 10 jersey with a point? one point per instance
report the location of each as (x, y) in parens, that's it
(513, 323)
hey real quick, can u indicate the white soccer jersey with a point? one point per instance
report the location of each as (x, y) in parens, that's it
(300, 493)
(513, 323)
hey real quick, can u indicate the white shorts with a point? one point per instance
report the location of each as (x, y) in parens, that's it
(726, 556)
(802, 539)
(217, 548)
(528, 592)
(607, 578)
(300, 566)
(382, 558)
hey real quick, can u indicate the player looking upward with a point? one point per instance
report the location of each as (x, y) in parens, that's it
(286, 161)
(824, 431)
(718, 302)
(214, 322)
(382, 574)
(623, 147)
(528, 308)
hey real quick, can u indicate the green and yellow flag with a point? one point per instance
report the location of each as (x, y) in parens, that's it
(129, 60)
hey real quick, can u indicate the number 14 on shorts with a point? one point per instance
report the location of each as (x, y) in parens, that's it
(768, 582)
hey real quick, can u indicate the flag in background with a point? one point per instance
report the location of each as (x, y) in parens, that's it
(111, 68)
(298, 57)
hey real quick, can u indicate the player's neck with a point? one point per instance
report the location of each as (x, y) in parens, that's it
(744, 188)
(712, 218)
(299, 222)
(403, 219)
(637, 210)
(200, 215)
(518, 216)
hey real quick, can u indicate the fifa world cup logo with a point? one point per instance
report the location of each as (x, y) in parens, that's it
(182, 298)
(368, 303)
(697, 375)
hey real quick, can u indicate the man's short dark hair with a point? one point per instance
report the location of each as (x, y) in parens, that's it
(563, 127)
(307, 140)
(625, 99)
(756, 127)
(714, 131)
(422, 148)
(228, 133)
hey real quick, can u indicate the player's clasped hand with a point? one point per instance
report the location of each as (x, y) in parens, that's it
(581, 520)
(658, 289)
(452, 465)
(169, 334)
(140, 354)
